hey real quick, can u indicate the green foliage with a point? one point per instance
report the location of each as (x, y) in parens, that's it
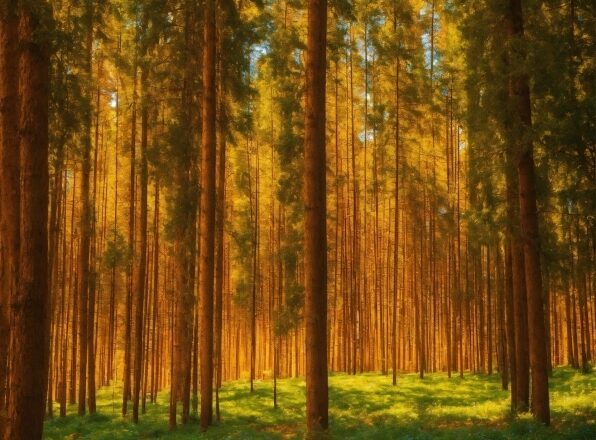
(556, 55)
(361, 407)
(117, 251)
(280, 78)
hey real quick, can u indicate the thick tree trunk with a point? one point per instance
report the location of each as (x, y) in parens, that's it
(29, 302)
(315, 237)
(9, 186)
(519, 96)
(520, 375)
(537, 336)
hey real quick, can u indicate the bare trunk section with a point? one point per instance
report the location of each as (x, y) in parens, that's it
(219, 268)
(520, 375)
(29, 302)
(85, 225)
(131, 249)
(140, 264)
(207, 213)
(519, 97)
(9, 187)
(315, 236)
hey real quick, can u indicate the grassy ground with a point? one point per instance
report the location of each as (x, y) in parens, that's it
(361, 407)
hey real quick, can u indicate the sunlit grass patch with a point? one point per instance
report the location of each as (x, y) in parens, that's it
(364, 406)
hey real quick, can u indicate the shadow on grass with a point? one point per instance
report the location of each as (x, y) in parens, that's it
(365, 406)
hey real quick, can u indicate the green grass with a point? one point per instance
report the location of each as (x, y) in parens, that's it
(365, 406)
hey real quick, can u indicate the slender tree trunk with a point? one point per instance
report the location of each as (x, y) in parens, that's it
(219, 270)
(207, 213)
(85, 225)
(91, 322)
(112, 327)
(140, 268)
(503, 352)
(72, 288)
(131, 249)
(489, 313)
(66, 321)
(396, 222)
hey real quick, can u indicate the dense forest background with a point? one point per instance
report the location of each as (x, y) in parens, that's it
(445, 121)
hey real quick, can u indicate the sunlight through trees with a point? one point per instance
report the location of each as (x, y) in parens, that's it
(195, 193)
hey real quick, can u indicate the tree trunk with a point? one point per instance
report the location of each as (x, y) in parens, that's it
(219, 270)
(519, 96)
(131, 249)
(140, 268)
(91, 322)
(315, 237)
(396, 222)
(520, 375)
(9, 187)
(29, 302)
(207, 213)
(85, 225)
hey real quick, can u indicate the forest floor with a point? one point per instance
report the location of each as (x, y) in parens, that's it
(364, 406)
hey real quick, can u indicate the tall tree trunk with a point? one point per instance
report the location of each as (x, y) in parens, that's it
(72, 288)
(140, 267)
(520, 375)
(219, 269)
(131, 249)
(315, 237)
(396, 218)
(207, 213)
(154, 342)
(85, 223)
(489, 313)
(29, 302)
(9, 186)
(112, 327)
(503, 352)
(519, 96)
(91, 322)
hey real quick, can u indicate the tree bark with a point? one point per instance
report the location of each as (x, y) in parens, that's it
(131, 249)
(9, 186)
(519, 96)
(29, 303)
(315, 237)
(85, 224)
(396, 223)
(140, 267)
(520, 375)
(219, 270)
(207, 213)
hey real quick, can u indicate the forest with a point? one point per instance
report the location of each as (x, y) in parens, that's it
(285, 219)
